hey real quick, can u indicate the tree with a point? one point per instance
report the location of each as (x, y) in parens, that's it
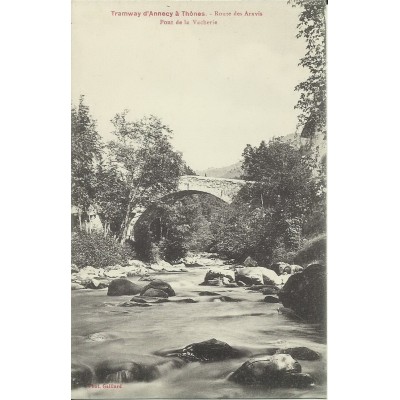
(312, 102)
(149, 165)
(85, 153)
(282, 175)
(267, 218)
(112, 196)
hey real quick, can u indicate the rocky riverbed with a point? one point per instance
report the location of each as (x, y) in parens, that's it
(204, 328)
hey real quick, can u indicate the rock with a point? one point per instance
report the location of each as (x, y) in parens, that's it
(115, 274)
(81, 375)
(297, 380)
(97, 283)
(206, 293)
(305, 293)
(86, 274)
(249, 262)
(284, 278)
(271, 299)
(270, 277)
(76, 286)
(161, 266)
(231, 285)
(180, 267)
(212, 282)
(185, 301)
(147, 278)
(226, 299)
(125, 371)
(113, 267)
(137, 264)
(160, 285)
(270, 290)
(207, 351)
(301, 353)
(74, 268)
(132, 270)
(122, 287)
(296, 269)
(249, 275)
(214, 275)
(149, 300)
(278, 370)
(134, 304)
(279, 267)
(150, 292)
(89, 270)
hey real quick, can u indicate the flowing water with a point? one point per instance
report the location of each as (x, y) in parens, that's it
(103, 330)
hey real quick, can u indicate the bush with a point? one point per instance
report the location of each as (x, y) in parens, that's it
(313, 250)
(97, 250)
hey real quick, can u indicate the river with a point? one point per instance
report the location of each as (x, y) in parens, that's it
(102, 330)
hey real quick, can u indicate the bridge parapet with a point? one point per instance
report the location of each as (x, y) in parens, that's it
(225, 189)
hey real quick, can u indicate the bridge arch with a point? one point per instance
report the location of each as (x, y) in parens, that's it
(221, 188)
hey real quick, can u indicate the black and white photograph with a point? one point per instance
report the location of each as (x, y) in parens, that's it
(198, 199)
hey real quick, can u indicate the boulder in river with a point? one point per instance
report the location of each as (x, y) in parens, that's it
(301, 353)
(279, 267)
(159, 285)
(81, 375)
(257, 276)
(151, 292)
(226, 299)
(207, 351)
(96, 283)
(116, 273)
(207, 293)
(305, 293)
(279, 370)
(296, 269)
(122, 287)
(76, 286)
(216, 276)
(270, 290)
(249, 275)
(185, 301)
(125, 371)
(250, 262)
(271, 299)
(298, 353)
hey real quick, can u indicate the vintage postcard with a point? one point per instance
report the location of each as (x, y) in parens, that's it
(198, 210)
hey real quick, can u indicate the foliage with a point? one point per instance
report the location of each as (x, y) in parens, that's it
(313, 249)
(144, 154)
(174, 227)
(267, 219)
(98, 250)
(312, 102)
(282, 178)
(112, 196)
(85, 152)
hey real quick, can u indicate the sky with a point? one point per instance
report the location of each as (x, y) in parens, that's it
(218, 86)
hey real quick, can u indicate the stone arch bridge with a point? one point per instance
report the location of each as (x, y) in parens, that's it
(224, 189)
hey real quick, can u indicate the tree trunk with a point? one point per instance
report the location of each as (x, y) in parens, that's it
(125, 224)
(80, 220)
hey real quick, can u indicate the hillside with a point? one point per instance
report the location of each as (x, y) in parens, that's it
(231, 171)
(234, 171)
